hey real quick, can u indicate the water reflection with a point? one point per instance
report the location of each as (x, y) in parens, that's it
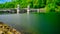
(34, 23)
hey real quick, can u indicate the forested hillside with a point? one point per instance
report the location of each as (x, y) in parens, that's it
(51, 5)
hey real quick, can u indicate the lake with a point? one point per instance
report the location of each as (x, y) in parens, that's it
(33, 23)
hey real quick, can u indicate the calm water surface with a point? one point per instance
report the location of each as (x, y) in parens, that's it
(34, 23)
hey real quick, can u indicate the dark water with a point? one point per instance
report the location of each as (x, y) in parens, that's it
(33, 23)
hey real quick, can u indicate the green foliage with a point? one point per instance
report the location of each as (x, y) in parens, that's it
(57, 9)
(49, 5)
(25, 3)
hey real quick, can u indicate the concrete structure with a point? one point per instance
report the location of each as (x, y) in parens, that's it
(28, 9)
(18, 8)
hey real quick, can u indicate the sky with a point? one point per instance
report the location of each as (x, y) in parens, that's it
(3, 1)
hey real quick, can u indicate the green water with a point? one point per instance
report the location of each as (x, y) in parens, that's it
(33, 23)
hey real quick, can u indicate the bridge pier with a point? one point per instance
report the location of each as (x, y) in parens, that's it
(38, 10)
(28, 9)
(18, 9)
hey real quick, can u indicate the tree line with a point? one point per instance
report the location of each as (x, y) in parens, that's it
(49, 5)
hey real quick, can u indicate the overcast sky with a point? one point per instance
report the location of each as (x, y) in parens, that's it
(3, 1)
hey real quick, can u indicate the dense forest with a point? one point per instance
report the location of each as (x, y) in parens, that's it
(49, 5)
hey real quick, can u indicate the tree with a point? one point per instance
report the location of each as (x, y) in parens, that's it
(50, 5)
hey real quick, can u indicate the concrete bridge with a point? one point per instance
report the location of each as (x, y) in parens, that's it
(8, 10)
(11, 9)
(18, 10)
